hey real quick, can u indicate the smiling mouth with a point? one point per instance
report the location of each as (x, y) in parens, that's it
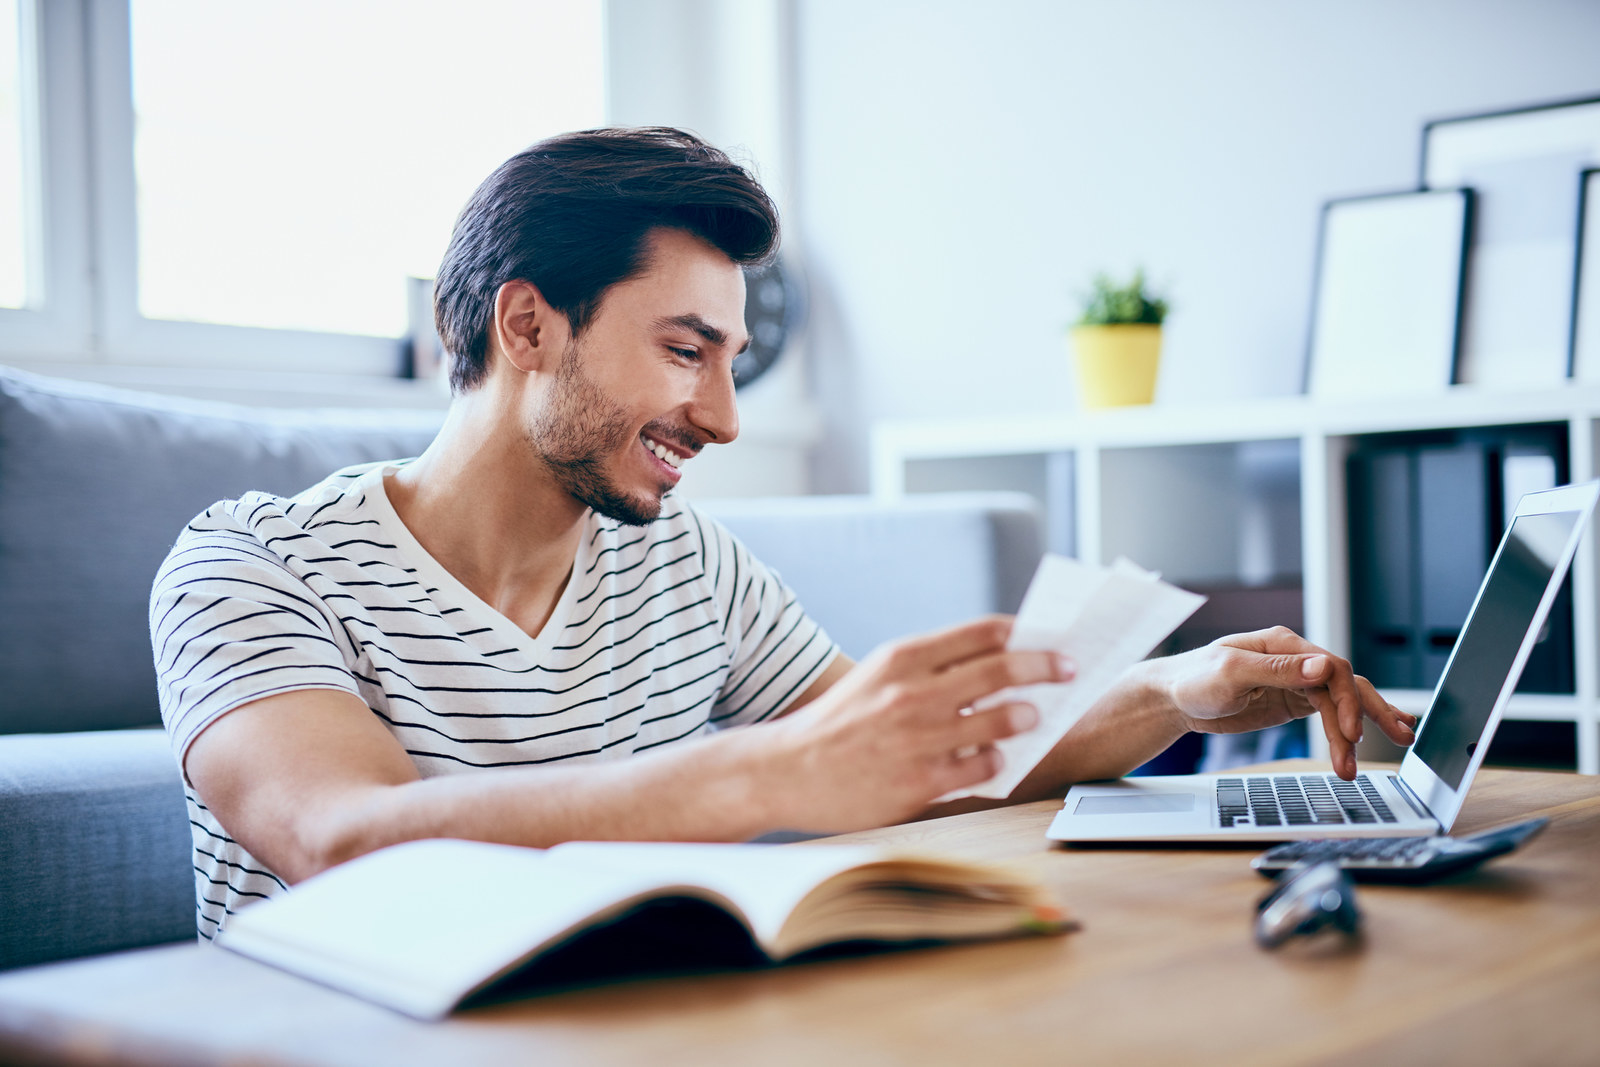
(664, 453)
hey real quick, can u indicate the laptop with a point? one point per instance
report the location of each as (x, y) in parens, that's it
(1425, 795)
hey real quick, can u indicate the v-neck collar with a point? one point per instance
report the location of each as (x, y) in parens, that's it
(450, 588)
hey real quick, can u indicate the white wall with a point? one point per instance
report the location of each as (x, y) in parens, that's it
(961, 169)
(725, 69)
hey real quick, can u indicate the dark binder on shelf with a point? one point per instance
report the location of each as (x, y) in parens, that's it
(1425, 512)
(1452, 535)
(1382, 540)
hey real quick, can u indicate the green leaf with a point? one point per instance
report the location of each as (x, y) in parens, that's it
(1110, 304)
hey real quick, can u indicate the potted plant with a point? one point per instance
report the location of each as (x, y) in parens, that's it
(1117, 343)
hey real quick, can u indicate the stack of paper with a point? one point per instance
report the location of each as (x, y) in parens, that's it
(1105, 619)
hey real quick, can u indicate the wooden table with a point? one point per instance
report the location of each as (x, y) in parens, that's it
(1500, 966)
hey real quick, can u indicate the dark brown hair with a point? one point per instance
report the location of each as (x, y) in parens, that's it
(571, 215)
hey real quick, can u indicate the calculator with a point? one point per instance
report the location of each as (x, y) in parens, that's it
(1407, 860)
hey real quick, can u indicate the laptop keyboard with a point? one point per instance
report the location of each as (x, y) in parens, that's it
(1299, 800)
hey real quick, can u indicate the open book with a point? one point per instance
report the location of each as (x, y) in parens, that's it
(422, 926)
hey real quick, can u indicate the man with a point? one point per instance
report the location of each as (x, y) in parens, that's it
(527, 601)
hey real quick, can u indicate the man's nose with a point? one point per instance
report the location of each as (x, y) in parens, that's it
(716, 409)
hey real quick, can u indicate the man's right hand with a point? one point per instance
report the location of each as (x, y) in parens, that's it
(898, 731)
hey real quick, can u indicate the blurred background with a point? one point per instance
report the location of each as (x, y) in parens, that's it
(181, 181)
(247, 202)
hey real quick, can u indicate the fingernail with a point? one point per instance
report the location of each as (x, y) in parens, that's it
(1023, 717)
(1312, 667)
(1065, 668)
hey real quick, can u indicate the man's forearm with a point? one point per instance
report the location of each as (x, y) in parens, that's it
(704, 790)
(1128, 726)
(310, 778)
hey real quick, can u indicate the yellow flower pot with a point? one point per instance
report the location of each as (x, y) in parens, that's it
(1116, 364)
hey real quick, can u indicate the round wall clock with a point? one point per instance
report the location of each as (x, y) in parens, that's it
(774, 305)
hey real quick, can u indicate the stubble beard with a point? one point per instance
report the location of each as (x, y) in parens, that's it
(576, 432)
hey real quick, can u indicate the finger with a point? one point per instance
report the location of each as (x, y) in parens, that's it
(1335, 676)
(967, 768)
(1272, 640)
(1284, 659)
(944, 648)
(1390, 719)
(1341, 751)
(1342, 689)
(1245, 669)
(969, 682)
(1300, 703)
(990, 725)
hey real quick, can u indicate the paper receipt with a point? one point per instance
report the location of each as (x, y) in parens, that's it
(1105, 619)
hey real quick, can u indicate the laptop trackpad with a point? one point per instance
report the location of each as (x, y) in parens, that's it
(1136, 804)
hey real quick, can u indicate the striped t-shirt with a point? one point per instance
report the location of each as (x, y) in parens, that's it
(663, 632)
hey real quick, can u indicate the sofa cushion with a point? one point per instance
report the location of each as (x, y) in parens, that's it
(870, 571)
(95, 484)
(94, 845)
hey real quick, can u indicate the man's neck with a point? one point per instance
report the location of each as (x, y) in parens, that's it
(484, 507)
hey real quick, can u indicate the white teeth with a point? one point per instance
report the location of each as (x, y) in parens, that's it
(664, 454)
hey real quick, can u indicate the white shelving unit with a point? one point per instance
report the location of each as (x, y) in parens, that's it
(1247, 492)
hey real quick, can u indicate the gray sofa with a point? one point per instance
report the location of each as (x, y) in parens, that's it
(94, 485)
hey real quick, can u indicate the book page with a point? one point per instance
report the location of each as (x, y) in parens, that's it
(418, 926)
(1106, 619)
(765, 881)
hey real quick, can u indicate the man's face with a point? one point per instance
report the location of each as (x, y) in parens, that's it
(648, 384)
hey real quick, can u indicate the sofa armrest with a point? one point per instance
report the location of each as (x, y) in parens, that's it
(94, 845)
(871, 570)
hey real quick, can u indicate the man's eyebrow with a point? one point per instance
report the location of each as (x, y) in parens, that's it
(696, 324)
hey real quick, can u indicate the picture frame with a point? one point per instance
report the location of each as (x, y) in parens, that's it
(1522, 165)
(1584, 335)
(1387, 298)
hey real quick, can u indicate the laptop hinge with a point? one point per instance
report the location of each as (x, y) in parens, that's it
(1411, 798)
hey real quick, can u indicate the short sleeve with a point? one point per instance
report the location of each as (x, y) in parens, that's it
(229, 624)
(776, 650)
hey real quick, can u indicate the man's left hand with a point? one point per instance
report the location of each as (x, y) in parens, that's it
(1269, 677)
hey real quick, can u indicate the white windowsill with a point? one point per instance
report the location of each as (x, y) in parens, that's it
(257, 388)
(770, 415)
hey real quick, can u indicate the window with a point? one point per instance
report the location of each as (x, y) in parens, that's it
(295, 161)
(266, 176)
(13, 209)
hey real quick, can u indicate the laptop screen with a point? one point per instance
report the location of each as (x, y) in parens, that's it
(1488, 645)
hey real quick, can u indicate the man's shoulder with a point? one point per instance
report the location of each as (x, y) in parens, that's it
(261, 533)
(247, 514)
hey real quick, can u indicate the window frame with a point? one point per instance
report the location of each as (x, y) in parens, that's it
(126, 335)
(85, 260)
(58, 320)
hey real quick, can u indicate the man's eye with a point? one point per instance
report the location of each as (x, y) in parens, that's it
(685, 353)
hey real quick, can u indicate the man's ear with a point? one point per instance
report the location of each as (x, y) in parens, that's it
(526, 331)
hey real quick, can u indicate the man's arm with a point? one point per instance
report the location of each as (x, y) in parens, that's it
(831, 675)
(1239, 683)
(1234, 685)
(309, 778)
